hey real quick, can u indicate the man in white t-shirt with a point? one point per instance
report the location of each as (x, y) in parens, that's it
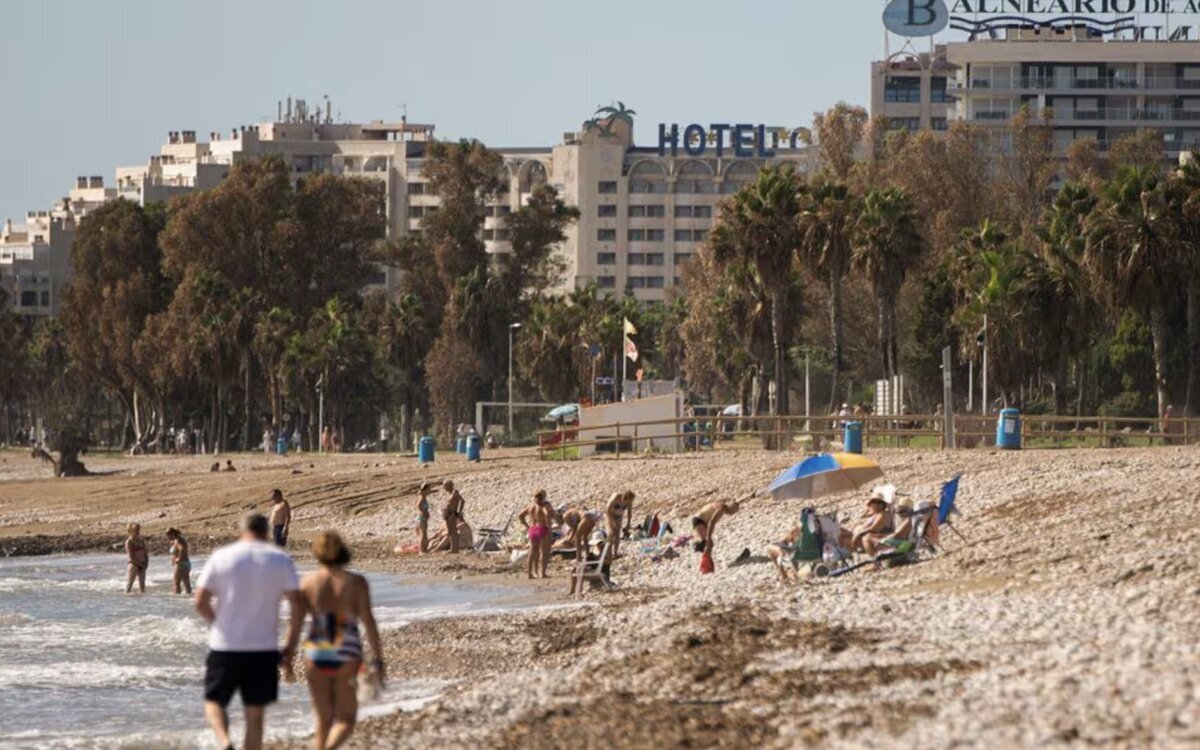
(238, 594)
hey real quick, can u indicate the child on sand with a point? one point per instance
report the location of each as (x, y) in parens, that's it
(423, 517)
(536, 518)
(139, 558)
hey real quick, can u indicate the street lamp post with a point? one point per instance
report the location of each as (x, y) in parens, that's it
(512, 327)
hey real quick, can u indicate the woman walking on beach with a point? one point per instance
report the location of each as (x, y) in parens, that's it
(181, 562)
(337, 601)
(423, 517)
(139, 558)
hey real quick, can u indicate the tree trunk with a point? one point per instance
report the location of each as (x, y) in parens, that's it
(835, 326)
(781, 382)
(1060, 379)
(246, 402)
(1193, 332)
(881, 323)
(1158, 332)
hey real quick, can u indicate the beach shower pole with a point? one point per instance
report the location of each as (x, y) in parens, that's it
(985, 363)
(807, 394)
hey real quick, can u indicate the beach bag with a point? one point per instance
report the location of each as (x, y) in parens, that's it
(706, 564)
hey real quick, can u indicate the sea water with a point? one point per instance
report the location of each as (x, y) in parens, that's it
(83, 665)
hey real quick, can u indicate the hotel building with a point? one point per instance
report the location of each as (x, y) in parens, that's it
(1097, 88)
(643, 213)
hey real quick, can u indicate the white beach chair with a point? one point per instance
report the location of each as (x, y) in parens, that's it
(590, 570)
(491, 540)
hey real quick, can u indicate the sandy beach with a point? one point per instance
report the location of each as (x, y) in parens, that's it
(1071, 617)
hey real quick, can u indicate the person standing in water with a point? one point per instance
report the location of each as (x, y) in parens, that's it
(238, 595)
(139, 558)
(338, 602)
(423, 517)
(452, 514)
(281, 517)
(181, 563)
(537, 519)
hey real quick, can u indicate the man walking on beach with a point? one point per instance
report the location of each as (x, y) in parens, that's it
(281, 518)
(247, 580)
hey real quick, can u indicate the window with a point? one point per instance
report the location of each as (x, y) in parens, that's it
(637, 212)
(29, 299)
(606, 259)
(937, 90)
(637, 235)
(606, 212)
(416, 212)
(681, 258)
(647, 186)
(655, 282)
(656, 235)
(503, 210)
(656, 212)
(416, 188)
(502, 235)
(684, 212)
(606, 235)
(45, 299)
(489, 234)
(637, 282)
(902, 90)
(939, 123)
(700, 235)
(911, 124)
(636, 259)
(683, 235)
(655, 259)
(606, 282)
(702, 212)
(608, 187)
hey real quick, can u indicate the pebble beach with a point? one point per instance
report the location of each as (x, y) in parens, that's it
(1068, 617)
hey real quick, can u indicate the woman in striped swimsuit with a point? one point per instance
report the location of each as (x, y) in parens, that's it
(337, 601)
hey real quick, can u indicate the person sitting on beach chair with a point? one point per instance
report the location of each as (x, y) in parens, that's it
(594, 563)
(916, 526)
(875, 524)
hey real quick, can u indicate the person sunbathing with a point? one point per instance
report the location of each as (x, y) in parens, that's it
(872, 526)
(704, 524)
(782, 551)
(906, 532)
(440, 541)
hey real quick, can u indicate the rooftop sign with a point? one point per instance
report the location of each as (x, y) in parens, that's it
(1121, 19)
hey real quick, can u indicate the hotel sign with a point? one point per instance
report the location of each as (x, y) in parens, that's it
(1121, 19)
(743, 141)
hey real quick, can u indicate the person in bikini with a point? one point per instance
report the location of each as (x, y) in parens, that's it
(281, 518)
(536, 518)
(452, 514)
(423, 517)
(704, 523)
(581, 524)
(181, 563)
(782, 551)
(337, 601)
(139, 558)
(873, 526)
(620, 507)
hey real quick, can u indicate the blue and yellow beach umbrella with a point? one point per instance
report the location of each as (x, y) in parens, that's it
(824, 474)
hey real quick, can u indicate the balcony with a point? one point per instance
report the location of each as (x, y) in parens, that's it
(1128, 114)
(1053, 83)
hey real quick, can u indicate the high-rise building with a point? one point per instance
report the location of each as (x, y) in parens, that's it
(644, 210)
(1097, 88)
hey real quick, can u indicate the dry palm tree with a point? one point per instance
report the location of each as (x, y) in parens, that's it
(1133, 252)
(887, 245)
(758, 229)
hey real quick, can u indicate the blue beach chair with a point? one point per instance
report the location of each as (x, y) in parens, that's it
(947, 508)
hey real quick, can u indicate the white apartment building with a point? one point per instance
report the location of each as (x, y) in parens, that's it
(1097, 87)
(644, 210)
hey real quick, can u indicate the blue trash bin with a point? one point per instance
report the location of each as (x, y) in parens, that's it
(1008, 430)
(474, 448)
(460, 445)
(852, 437)
(426, 449)
(281, 446)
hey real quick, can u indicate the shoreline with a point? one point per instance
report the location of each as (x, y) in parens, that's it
(1070, 616)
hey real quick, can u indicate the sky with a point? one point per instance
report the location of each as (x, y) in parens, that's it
(88, 86)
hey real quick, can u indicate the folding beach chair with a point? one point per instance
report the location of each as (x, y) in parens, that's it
(947, 508)
(593, 570)
(493, 537)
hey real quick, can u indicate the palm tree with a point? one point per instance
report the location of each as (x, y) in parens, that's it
(758, 228)
(1133, 249)
(888, 243)
(1187, 182)
(826, 223)
(1068, 303)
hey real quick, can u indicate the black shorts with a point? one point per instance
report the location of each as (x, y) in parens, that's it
(280, 537)
(255, 674)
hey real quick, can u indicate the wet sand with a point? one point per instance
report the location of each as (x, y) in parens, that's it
(1070, 618)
